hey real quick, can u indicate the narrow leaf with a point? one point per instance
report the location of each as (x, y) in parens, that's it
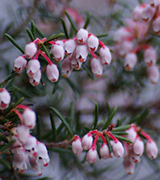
(63, 120)
(119, 133)
(45, 50)
(33, 29)
(108, 122)
(54, 132)
(60, 127)
(87, 21)
(71, 84)
(102, 35)
(30, 34)
(54, 37)
(14, 43)
(5, 163)
(121, 128)
(72, 22)
(39, 32)
(65, 28)
(109, 144)
(122, 138)
(88, 71)
(96, 112)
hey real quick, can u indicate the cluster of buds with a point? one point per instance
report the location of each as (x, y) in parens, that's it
(130, 39)
(72, 53)
(5, 98)
(133, 150)
(26, 147)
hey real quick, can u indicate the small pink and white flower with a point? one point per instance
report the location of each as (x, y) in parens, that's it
(105, 55)
(138, 147)
(35, 166)
(130, 61)
(17, 146)
(82, 36)
(156, 25)
(96, 67)
(153, 74)
(154, 3)
(77, 146)
(151, 149)
(104, 151)
(29, 118)
(148, 13)
(131, 134)
(137, 13)
(30, 50)
(35, 80)
(5, 98)
(33, 67)
(92, 155)
(66, 68)
(58, 52)
(30, 146)
(81, 53)
(69, 47)
(150, 56)
(118, 149)
(19, 64)
(128, 165)
(23, 133)
(87, 141)
(125, 48)
(92, 43)
(122, 34)
(52, 72)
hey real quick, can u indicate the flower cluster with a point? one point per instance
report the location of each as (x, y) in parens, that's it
(133, 150)
(26, 147)
(5, 98)
(132, 38)
(72, 53)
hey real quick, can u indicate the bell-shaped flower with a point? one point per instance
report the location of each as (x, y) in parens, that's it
(30, 146)
(82, 36)
(81, 53)
(30, 50)
(154, 3)
(35, 80)
(128, 165)
(66, 68)
(131, 134)
(19, 64)
(130, 61)
(118, 149)
(60, 42)
(23, 133)
(105, 55)
(151, 149)
(58, 52)
(92, 42)
(153, 74)
(69, 47)
(122, 34)
(137, 13)
(96, 67)
(150, 56)
(17, 145)
(42, 155)
(92, 155)
(33, 67)
(156, 25)
(125, 48)
(148, 13)
(77, 146)
(29, 118)
(52, 72)
(87, 141)
(104, 151)
(134, 158)
(35, 166)
(138, 147)
(5, 98)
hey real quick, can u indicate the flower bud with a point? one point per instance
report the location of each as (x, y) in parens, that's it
(118, 149)
(153, 74)
(96, 67)
(19, 64)
(138, 147)
(130, 61)
(82, 36)
(5, 98)
(131, 134)
(33, 67)
(42, 155)
(150, 56)
(29, 118)
(137, 13)
(30, 50)
(52, 72)
(156, 26)
(148, 13)
(35, 80)
(69, 47)
(87, 141)
(105, 55)
(58, 52)
(104, 151)
(92, 43)
(129, 166)
(91, 155)
(81, 53)
(30, 146)
(122, 34)
(151, 149)
(66, 68)
(23, 133)
(77, 146)
(60, 42)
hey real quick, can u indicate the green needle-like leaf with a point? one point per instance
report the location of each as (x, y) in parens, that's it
(54, 132)
(102, 35)
(87, 21)
(30, 34)
(63, 120)
(122, 138)
(5, 163)
(65, 28)
(14, 42)
(45, 50)
(33, 29)
(121, 128)
(55, 36)
(72, 22)
(96, 112)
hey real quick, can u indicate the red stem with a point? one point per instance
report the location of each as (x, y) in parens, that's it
(113, 137)
(19, 115)
(21, 106)
(93, 54)
(148, 137)
(95, 141)
(46, 57)
(99, 134)
(102, 44)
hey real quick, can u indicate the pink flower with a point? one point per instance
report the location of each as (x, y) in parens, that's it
(91, 155)
(105, 55)
(35, 166)
(58, 52)
(30, 146)
(81, 53)
(69, 47)
(104, 151)
(35, 80)
(122, 35)
(5, 98)
(150, 56)
(77, 146)
(118, 149)
(153, 74)
(87, 141)
(138, 147)
(128, 165)
(66, 68)
(151, 149)
(82, 36)
(52, 72)
(148, 13)
(130, 61)
(137, 12)
(92, 43)
(29, 118)
(19, 64)
(33, 67)
(96, 67)
(156, 25)
(30, 50)
(131, 134)
(23, 133)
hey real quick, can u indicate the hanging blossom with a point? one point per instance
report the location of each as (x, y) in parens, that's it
(26, 147)
(116, 148)
(72, 52)
(130, 39)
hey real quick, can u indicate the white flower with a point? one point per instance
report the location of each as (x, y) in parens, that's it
(30, 50)
(151, 149)
(96, 67)
(52, 72)
(82, 36)
(91, 155)
(35, 80)
(77, 146)
(105, 55)
(153, 74)
(23, 133)
(5, 98)
(129, 166)
(150, 56)
(66, 68)
(118, 149)
(20, 64)
(81, 53)
(138, 147)
(148, 13)
(69, 46)
(104, 151)
(33, 67)
(58, 52)
(92, 43)
(30, 146)
(130, 61)
(29, 118)
(87, 141)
